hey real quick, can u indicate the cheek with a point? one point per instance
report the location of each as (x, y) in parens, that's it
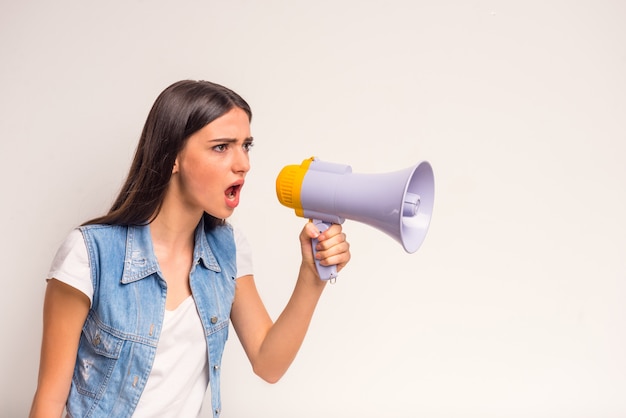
(202, 176)
(200, 171)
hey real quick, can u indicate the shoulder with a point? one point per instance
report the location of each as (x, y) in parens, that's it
(244, 253)
(72, 245)
(96, 235)
(102, 229)
(71, 264)
(241, 241)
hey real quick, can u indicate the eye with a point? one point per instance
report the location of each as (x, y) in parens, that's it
(220, 147)
(248, 146)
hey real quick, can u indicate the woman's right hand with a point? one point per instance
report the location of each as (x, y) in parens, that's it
(332, 247)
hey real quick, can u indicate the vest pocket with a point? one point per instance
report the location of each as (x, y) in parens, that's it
(98, 352)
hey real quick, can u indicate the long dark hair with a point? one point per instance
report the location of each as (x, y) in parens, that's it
(182, 109)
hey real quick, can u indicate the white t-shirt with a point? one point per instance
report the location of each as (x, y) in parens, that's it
(179, 377)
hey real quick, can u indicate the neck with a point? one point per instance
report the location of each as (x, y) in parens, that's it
(170, 230)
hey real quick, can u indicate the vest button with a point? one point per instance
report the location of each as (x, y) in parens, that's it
(96, 340)
(214, 319)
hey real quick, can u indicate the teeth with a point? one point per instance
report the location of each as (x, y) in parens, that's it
(231, 193)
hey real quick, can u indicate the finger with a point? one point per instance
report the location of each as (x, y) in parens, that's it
(334, 229)
(329, 242)
(338, 255)
(311, 230)
(325, 250)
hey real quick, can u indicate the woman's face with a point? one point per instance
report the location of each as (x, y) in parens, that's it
(210, 170)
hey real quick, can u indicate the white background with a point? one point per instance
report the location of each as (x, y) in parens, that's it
(515, 304)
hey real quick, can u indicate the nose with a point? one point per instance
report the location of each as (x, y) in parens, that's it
(241, 162)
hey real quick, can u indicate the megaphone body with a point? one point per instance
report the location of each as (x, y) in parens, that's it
(399, 203)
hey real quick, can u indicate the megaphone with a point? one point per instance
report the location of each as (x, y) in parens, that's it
(399, 203)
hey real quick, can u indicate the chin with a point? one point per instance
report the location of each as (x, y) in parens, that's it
(221, 214)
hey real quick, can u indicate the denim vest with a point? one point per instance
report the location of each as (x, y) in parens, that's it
(119, 338)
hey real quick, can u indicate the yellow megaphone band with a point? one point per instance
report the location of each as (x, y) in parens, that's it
(289, 185)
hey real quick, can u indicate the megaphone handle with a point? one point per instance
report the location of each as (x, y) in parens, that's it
(325, 272)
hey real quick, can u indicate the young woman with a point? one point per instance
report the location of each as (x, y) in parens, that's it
(139, 301)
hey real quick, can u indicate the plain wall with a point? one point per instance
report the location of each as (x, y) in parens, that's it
(515, 304)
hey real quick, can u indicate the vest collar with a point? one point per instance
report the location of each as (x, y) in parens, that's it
(202, 251)
(140, 260)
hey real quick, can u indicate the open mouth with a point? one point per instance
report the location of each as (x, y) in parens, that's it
(232, 191)
(232, 194)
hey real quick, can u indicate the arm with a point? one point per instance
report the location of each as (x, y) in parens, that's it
(271, 347)
(64, 312)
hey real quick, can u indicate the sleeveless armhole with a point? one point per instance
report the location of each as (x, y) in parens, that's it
(71, 264)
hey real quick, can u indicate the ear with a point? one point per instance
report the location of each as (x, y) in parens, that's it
(175, 168)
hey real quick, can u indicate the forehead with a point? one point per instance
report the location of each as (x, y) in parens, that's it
(235, 120)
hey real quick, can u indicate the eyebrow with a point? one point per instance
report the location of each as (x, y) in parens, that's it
(231, 140)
